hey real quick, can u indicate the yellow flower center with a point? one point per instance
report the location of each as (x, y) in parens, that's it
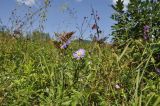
(79, 53)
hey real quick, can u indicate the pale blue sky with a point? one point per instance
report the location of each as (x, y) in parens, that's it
(58, 21)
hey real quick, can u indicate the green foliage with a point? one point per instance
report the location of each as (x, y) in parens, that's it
(130, 22)
(36, 73)
(37, 35)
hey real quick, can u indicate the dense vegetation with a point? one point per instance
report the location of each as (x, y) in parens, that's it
(38, 70)
(36, 73)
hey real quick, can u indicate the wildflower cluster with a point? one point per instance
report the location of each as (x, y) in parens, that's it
(64, 40)
(65, 45)
(146, 31)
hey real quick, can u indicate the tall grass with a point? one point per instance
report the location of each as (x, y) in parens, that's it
(36, 73)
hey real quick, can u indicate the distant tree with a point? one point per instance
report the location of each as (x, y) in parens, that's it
(37, 35)
(4, 31)
(119, 27)
(140, 20)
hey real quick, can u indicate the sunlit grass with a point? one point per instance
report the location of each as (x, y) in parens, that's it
(36, 73)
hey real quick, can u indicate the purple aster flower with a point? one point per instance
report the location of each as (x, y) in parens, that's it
(64, 46)
(146, 28)
(68, 42)
(145, 36)
(79, 54)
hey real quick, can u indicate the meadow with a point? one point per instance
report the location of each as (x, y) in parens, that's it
(67, 70)
(35, 72)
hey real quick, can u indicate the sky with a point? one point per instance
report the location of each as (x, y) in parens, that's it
(59, 19)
